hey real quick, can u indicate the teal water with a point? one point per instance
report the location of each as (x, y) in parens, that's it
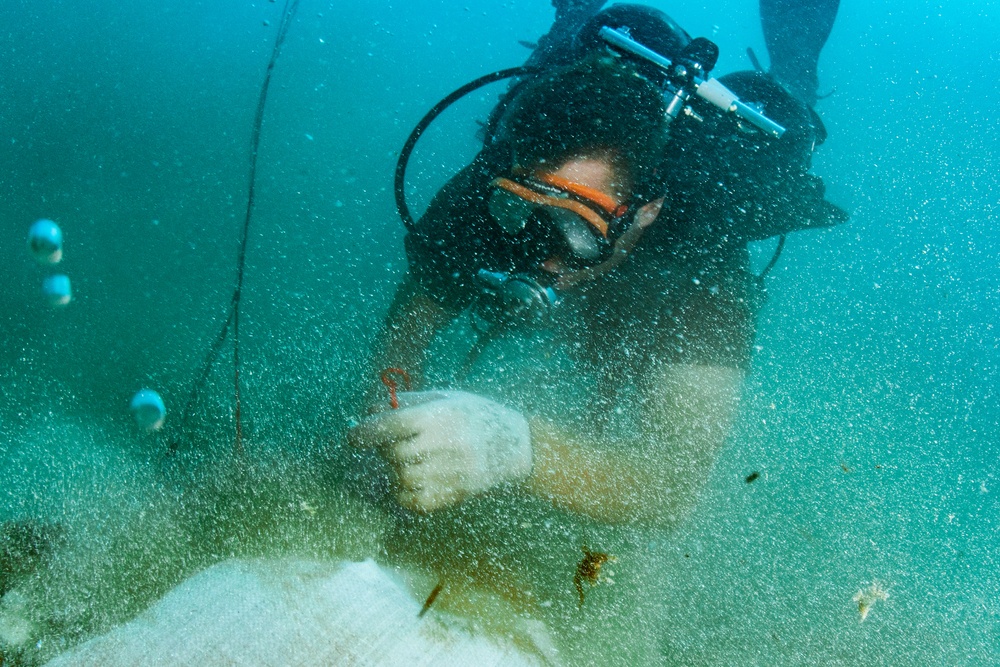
(870, 413)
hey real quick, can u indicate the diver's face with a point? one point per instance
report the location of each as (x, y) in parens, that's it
(561, 214)
(594, 172)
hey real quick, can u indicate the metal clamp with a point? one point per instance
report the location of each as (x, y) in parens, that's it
(709, 90)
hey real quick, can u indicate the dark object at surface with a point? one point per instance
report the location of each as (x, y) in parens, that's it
(752, 477)
(24, 547)
(795, 32)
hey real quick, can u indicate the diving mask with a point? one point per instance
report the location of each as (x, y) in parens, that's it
(571, 221)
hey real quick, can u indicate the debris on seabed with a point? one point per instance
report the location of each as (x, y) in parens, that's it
(866, 598)
(430, 599)
(589, 570)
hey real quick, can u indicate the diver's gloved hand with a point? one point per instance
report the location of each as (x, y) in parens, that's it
(447, 445)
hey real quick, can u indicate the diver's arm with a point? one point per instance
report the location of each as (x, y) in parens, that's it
(413, 321)
(654, 478)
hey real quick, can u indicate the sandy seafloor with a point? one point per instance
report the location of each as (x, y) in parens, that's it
(870, 414)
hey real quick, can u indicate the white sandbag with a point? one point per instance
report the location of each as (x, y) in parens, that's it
(291, 612)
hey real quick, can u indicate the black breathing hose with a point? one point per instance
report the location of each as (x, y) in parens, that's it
(436, 110)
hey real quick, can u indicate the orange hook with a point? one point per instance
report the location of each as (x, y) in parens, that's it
(391, 384)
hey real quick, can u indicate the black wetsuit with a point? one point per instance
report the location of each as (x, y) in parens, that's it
(688, 302)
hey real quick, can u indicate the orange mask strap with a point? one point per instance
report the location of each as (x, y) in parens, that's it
(594, 195)
(582, 210)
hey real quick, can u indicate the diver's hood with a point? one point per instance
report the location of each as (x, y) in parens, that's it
(732, 182)
(646, 25)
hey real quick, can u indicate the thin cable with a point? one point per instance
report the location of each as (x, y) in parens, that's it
(289, 12)
(233, 319)
(206, 366)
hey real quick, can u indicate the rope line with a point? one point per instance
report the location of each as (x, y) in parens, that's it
(290, 7)
(233, 320)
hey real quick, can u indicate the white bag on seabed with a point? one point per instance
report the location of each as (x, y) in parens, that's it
(292, 612)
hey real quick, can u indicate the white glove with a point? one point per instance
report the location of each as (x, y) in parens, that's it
(447, 445)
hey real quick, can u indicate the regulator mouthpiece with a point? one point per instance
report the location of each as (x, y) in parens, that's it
(512, 299)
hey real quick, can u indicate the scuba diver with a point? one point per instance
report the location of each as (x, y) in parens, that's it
(611, 204)
(559, 208)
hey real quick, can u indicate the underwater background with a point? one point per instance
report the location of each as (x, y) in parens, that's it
(871, 414)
